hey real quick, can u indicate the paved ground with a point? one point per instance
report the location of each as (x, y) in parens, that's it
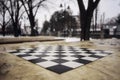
(106, 68)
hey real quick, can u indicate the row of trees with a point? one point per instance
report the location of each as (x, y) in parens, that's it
(15, 9)
(60, 22)
(86, 15)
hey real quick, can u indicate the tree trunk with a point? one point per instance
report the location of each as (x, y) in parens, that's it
(85, 19)
(3, 30)
(16, 30)
(32, 25)
(4, 24)
(86, 16)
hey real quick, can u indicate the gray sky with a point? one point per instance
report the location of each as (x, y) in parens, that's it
(110, 7)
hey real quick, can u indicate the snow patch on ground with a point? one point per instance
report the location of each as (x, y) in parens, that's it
(8, 36)
(69, 39)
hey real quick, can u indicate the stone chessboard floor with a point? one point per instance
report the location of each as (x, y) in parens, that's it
(58, 58)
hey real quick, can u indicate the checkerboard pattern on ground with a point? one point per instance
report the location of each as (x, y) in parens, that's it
(58, 58)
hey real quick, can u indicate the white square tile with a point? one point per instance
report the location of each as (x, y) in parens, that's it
(30, 57)
(25, 47)
(26, 50)
(34, 54)
(84, 54)
(69, 58)
(66, 48)
(49, 58)
(47, 64)
(68, 54)
(89, 58)
(108, 51)
(72, 64)
(83, 51)
(101, 54)
(93, 51)
(52, 54)
(40, 50)
(90, 49)
(18, 53)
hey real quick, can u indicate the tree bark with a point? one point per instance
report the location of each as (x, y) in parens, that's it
(32, 25)
(3, 25)
(16, 31)
(3, 30)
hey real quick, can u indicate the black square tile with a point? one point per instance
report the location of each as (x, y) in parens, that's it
(23, 55)
(106, 53)
(41, 56)
(45, 52)
(60, 60)
(84, 48)
(75, 52)
(59, 55)
(95, 56)
(15, 51)
(60, 52)
(59, 69)
(77, 56)
(37, 60)
(90, 52)
(99, 50)
(82, 61)
(30, 52)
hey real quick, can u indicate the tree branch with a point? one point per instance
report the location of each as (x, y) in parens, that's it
(96, 3)
(8, 22)
(6, 7)
(24, 7)
(38, 5)
(22, 14)
(12, 10)
(81, 5)
(90, 4)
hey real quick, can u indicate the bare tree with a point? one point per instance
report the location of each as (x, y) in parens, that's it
(96, 18)
(86, 16)
(31, 7)
(3, 13)
(13, 7)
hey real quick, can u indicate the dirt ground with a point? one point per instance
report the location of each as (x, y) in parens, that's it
(15, 68)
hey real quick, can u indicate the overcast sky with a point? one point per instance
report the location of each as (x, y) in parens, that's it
(110, 7)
